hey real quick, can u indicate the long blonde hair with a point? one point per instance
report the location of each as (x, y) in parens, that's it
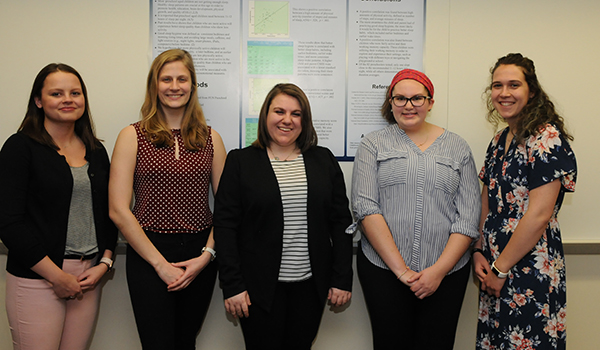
(194, 130)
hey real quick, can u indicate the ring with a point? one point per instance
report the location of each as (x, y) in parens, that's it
(71, 297)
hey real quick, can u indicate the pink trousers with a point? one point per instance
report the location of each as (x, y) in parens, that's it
(39, 320)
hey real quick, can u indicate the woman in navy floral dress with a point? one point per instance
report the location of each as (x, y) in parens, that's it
(519, 260)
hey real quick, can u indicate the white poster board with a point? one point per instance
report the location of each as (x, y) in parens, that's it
(342, 53)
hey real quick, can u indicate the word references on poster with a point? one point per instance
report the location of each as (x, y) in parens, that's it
(342, 53)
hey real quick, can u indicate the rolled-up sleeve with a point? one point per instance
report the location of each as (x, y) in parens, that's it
(365, 185)
(468, 200)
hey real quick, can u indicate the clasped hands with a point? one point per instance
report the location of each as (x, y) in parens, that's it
(490, 283)
(71, 287)
(177, 276)
(424, 283)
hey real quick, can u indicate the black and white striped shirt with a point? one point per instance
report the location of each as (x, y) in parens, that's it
(295, 261)
(424, 196)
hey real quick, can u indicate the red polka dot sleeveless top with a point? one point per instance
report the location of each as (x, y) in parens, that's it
(171, 195)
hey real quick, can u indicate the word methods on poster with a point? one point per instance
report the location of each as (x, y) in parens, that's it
(342, 53)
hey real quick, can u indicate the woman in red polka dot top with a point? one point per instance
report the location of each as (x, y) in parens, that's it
(167, 160)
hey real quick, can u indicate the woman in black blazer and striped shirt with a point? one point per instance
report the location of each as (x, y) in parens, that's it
(280, 219)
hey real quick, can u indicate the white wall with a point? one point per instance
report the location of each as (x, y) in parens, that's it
(108, 42)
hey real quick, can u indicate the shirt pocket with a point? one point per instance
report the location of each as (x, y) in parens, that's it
(393, 168)
(447, 174)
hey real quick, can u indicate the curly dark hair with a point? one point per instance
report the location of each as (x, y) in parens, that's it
(538, 111)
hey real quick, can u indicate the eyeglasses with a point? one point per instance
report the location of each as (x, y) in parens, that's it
(416, 101)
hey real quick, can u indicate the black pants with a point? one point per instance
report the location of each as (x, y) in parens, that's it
(292, 323)
(400, 320)
(169, 320)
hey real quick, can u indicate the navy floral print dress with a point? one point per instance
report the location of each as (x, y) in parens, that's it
(530, 313)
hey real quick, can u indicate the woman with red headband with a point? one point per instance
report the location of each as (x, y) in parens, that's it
(415, 196)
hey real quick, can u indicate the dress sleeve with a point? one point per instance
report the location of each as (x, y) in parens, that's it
(490, 156)
(365, 184)
(550, 157)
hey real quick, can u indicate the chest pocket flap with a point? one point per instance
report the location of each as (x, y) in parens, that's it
(392, 167)
(447, 174)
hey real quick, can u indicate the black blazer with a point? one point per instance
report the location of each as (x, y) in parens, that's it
(248, 224)
(35, 196)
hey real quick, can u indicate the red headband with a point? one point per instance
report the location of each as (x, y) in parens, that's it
(414, 75)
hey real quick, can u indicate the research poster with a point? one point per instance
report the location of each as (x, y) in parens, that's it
(342, 53)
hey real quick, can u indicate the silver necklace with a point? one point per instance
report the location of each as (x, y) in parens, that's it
(277, 158)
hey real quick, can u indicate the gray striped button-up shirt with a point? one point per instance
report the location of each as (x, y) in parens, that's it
(424, 196)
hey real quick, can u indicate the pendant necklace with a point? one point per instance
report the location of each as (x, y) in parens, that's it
(426, 138)
(277, 158)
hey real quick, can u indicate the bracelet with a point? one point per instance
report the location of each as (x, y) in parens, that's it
(403, 273)
(211, 251)
(476, 250)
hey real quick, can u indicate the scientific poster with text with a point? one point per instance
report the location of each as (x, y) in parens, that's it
(342, 53)
(384, 37)
(210, 32)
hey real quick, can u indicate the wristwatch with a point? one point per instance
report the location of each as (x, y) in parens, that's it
(108, 262)
(212, 252)
(497, 272)
(476, 250)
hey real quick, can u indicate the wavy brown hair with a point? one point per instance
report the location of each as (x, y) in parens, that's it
(33, 123)
(308, 136)
(538, 111)
(194, 130)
